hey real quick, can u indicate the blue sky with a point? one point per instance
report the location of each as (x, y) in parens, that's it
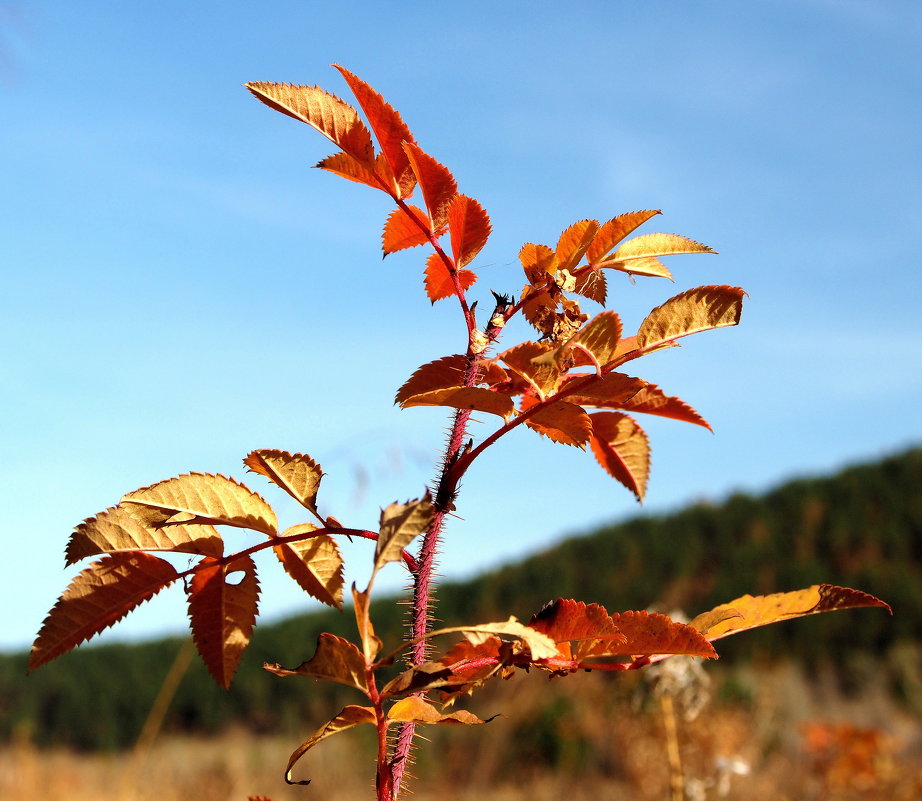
(179, 287)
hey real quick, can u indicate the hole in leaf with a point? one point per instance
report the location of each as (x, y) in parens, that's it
(235, 577)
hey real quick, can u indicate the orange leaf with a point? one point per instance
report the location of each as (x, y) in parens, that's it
(419, 711)
(332, 117)
(592, 284)
(610, 391)
(538, 262)
(296, 473)
(647, 245)
(437, 183)
(389, 128)
(568, 621)
(464, 667)
(98, 597)
(560, 421)
(470, 228)
(335, 659)
(574, 242)
(622, 449)
(652, 400)
(116, 529)
(600, 336)
(540, 308)
(648, 266)
(403, 231)
(371, 643)
(613, 231)
(535, 362)
(650, 634)
(699, 309)
(350, 716)
(314, 563)
(345, 166)
(439, 284)
(474, 398)
(749, 611)
(223, 614)
(440, 374)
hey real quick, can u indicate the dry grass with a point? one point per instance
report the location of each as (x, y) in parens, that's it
(579, 739)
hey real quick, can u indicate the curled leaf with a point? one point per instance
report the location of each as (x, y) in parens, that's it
(335, 659)
(473, 398)
(296, 473)
(350, 716)
(371, 644)
(416, 710)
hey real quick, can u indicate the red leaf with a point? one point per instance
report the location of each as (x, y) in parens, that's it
(346, 166)
(470, 228)
(439, 284)
(574, 242)
(437, 183)
(403, 231)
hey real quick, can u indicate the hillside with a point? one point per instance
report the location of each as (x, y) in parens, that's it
(861, 527)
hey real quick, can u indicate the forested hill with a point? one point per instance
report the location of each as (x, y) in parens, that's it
(861, 528)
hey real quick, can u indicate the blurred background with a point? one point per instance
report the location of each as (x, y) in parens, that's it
(179, 287)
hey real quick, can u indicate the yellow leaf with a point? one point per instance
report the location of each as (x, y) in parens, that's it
(647, 245)
(613, 231)
(647, 266)
(325, 112)
(540, 645)
(223, 614)
(350, 716)
(335, 659)
(600, 336)
(699, 309)
(400, 524)
(750, 611)
(474, 398)
(98, 597)
(622, 449)
(314, 563)
(116, 529)
(296, 473)
(416, 710)
(205, 498)
(574, 242)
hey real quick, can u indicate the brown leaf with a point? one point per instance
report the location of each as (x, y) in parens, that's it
(538, 262)
(371, 644)
(622, 449)
(609, 391)
(574, 242)
(314, 563)
(439, 374)
(527, 360)
(600, 336)
(400, 524)
(350, 716)
(390, 130)
(474, 398)
(116, 529)
(296, 473)
(345, 166)
(438, 281)
(335, 659)
(205, 498)
(540, 645)
(561, 422)
(470, 228)
(464, 667)
(402, 231)
(416, 710)
(699, 309)
(223, 614)
(749, 611)
(613, 231)
(652, 400)
(649, 634)
(647, 245)
(332, 117)
(98, 597)
(592, 284)
(437, 183)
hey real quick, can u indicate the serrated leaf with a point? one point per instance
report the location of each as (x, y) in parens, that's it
(592, 284)
(540, 308)
(647, 245)
(371, 644)
(652, 400)
(345, 166)
(436, 182)
(540, 645)
(223, 614)
(611, 390)
(613, 231)
(206, 498)
(439, 374)
(622, 449)
(561, 422)
(648, 266)
(116, 530)
(390, 130)
(473, 398)
(350, 716)
(315, 564)
(535, 362)
(325, 112)
(570, 623)
(438, 281)
(750, 611)
(336, 659)
(649, 634)
(574, 242)
(470, 228)
(402, 231)
(416, 710)
(600, 336)
(99, 596)
(296, 473)
(538, 262)
(462, 668)
(400, 524)
(699, 309)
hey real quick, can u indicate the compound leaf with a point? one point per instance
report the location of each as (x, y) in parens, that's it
(98, 597)
(350, 716)
(699, 309)
(622, 449)
(336, 659)
(296, 473)
(470, 228)
(314, 563)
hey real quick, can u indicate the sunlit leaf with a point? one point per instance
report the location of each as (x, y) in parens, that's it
(470, 228)
(600, 336)
(416, 710)
(400, 524)
(652, 400)
(371, 644)
(526, 359)
(332, 117)
(345, 166)
(223, 613)
(611, 391)
(350, 716)
(116, 529)
(314, 563)
(296, 473)
(438, 281)
(335, 659)
(592, 284)
(561, 422)
(462, 668)
(649, 634)
(750, 611)
(436, 182)
(205, 498)
(613, 231)
(622, 449)
(538, 262)
(699, 309)
(439, 374)
(474, 398)
(574, 242)
(540, 309)
(647, 245)
(98, 597)
(540, 645)
(403, 231)
(573, 623)
(647, 266)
